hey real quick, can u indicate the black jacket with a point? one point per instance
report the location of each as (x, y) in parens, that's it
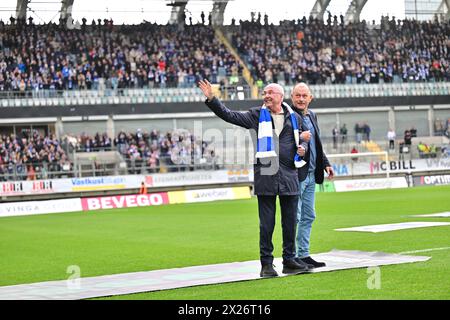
(321, 158)
(284, 179)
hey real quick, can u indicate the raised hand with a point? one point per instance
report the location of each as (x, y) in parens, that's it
(206, 88)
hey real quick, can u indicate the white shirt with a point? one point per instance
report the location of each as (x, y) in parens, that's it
(391, 135)
(278, 121)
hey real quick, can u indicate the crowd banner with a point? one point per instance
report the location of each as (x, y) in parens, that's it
(86, 184)
(68, 185)
(18, 188)
(370, 184)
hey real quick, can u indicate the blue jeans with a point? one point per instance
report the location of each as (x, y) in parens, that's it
(305, 214)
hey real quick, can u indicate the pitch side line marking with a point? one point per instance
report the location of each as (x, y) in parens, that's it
(425, 250)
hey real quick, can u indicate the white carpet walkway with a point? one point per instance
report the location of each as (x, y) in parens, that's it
(135, 282)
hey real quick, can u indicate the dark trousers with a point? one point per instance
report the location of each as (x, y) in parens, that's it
(267, 208)
(391, 144)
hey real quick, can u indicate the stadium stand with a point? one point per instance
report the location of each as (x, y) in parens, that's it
(41, 60)
(31, 155)
(58, 65)
(319, 53)
(107, 64)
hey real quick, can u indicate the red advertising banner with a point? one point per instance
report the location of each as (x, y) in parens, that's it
(12, 188)
(127, 201)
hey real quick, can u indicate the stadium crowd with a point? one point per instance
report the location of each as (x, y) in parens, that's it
(54, 57)
(176, 150)
(328, 52)
(32, 155)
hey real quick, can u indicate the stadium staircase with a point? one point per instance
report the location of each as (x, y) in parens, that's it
(88, 164)
(246, 72)
(372, 146)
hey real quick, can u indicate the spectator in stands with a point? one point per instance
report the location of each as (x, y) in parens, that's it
(354, 150)
(343, 133)
(153, 159)
(339, 53)
(359, 129)
(439, 127)
(31, 174)
(109, 57)
(447, 128)
(366, 131)
(30, 149)
(426, 151)
(335, 134)
(423, 149)
(407, 138)
(391, 138)
(149, 55)
(401, 150)
(144, 152)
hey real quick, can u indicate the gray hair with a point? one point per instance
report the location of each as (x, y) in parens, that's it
(277, 86)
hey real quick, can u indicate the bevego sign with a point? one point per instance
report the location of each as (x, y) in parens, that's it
(128, 201)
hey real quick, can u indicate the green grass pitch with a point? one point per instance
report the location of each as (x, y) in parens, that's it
(42, 247)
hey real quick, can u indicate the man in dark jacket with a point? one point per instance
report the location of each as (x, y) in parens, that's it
(283, 181)
(309, 174)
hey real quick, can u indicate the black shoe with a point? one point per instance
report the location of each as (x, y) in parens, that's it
(292, 267)
(300, 262)
(267, 271)
(313, 262)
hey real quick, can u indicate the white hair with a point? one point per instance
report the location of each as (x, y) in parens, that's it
(276, 85)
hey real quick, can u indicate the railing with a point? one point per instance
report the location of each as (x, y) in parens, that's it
(42, 170)
(45, 170)
(377, 90)
(50, 97)
(193, 94)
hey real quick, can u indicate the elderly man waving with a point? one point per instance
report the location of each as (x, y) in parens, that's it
(279, 155)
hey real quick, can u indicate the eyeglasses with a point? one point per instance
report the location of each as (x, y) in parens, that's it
(270, 92)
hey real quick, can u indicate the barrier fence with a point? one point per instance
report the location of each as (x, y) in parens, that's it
(355, 168)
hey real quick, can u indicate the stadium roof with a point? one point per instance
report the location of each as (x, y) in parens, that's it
(162, 11)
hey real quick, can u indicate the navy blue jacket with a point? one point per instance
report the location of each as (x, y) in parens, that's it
(283, 181)
(321, 158)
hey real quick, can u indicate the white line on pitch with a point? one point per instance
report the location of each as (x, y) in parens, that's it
(425, 250)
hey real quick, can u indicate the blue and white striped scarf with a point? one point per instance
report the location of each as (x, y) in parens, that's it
(265, 147)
